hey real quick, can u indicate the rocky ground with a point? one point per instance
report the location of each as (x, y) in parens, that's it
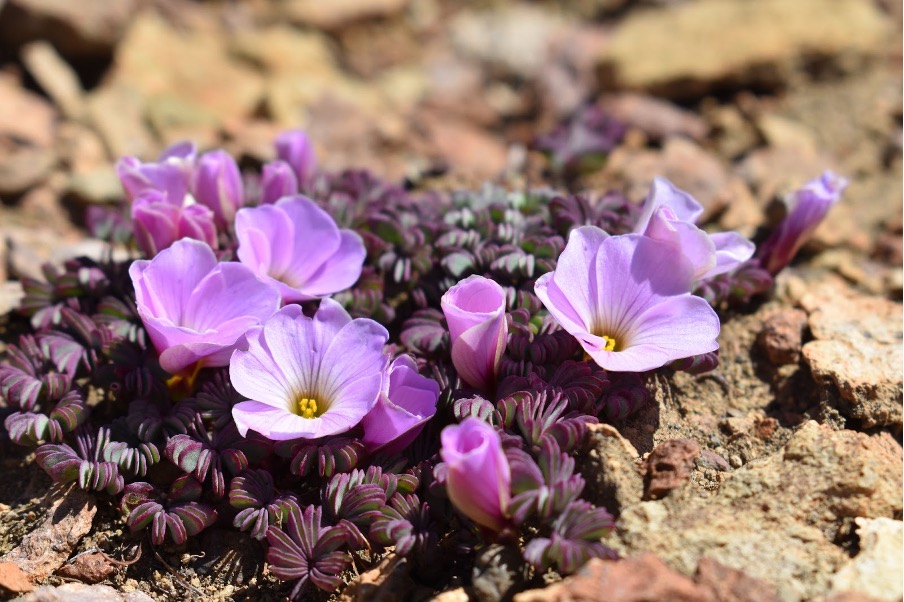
(778, 477)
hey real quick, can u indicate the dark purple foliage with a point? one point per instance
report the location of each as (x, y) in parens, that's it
(259, 504)
(307, 551)
(176, 514)
(85, 465)
(582, 142)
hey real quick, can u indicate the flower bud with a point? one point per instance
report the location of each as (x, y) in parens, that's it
(478, 477)
(277, 180)
(217, 183)
(475, 312)
(158, 223)
(407, 402)
(807, 209)
(295, 148)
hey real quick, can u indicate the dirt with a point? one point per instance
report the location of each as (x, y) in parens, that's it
(760, 473)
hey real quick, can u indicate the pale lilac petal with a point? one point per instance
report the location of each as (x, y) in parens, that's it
(341, 270)
(316, 237)
(407, 402)
(339, 372)
(164, 284)
(665, 194)
(239, 293)
(575, 281)
(687, 238)
(264, 234)
(676, 328)
(732, 249)
(471, 302)
(639, 273)
(557, 303)
(295, 148)
(478, 478)
(264, 419)
(477, 352)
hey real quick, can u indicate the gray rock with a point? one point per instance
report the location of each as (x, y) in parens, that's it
(80, 592)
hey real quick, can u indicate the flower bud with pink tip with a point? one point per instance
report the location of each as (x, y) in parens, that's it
(475, 312)
(217, 184)
(478, 476)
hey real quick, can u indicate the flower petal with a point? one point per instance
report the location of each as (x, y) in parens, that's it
(732, 250)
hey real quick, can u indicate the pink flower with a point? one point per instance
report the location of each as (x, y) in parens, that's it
(298, 247)
(196, 309)
(475, 312)
(158, 223)
(170, 174)
(478, 477)
(807, 208)
(308, 377)
(406, 403)
(669, 215)
(627, 301)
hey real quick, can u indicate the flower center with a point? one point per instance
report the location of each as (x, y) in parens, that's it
(307, 408)
(610, 343)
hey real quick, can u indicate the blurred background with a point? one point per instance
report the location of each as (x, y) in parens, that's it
(738, 101)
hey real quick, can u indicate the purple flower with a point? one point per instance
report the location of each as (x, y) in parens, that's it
(475, 312)
(478, 477)
(407, 402)
(295, 148)
(277, 180)
(308, 377)
(669, 215)
(196, 309)
(158, 223)
(627, 301)
(296, 245)
(170, 175)
(808, 207)
(217, 183)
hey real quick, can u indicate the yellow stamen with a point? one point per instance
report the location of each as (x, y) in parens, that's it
(183, 384)
(610, 343)
(307, 408)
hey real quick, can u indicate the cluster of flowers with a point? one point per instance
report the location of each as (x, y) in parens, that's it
(251, 351)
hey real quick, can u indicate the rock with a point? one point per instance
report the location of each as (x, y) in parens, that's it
(283, 50)
(781, 132)
(466, 148)
(98, 186)
(79, 592)
(81, 148)
(857, 352)
(687, 165)
(498, 572)
(25, 116)
(389, 581)
(668, 467)
(797, 500)
(656, 118)
(609, 465)
(22, 168)
(192, 71)
(339, 13)
(671, 52)
(641, 579)
(117, 114)
(876, 569)
(90, 28)
(12, 579)
(50, 543)
(88, 568)
(731, 585)
(11, 294)
(782, 335)
(56, 77)
(515, 39)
